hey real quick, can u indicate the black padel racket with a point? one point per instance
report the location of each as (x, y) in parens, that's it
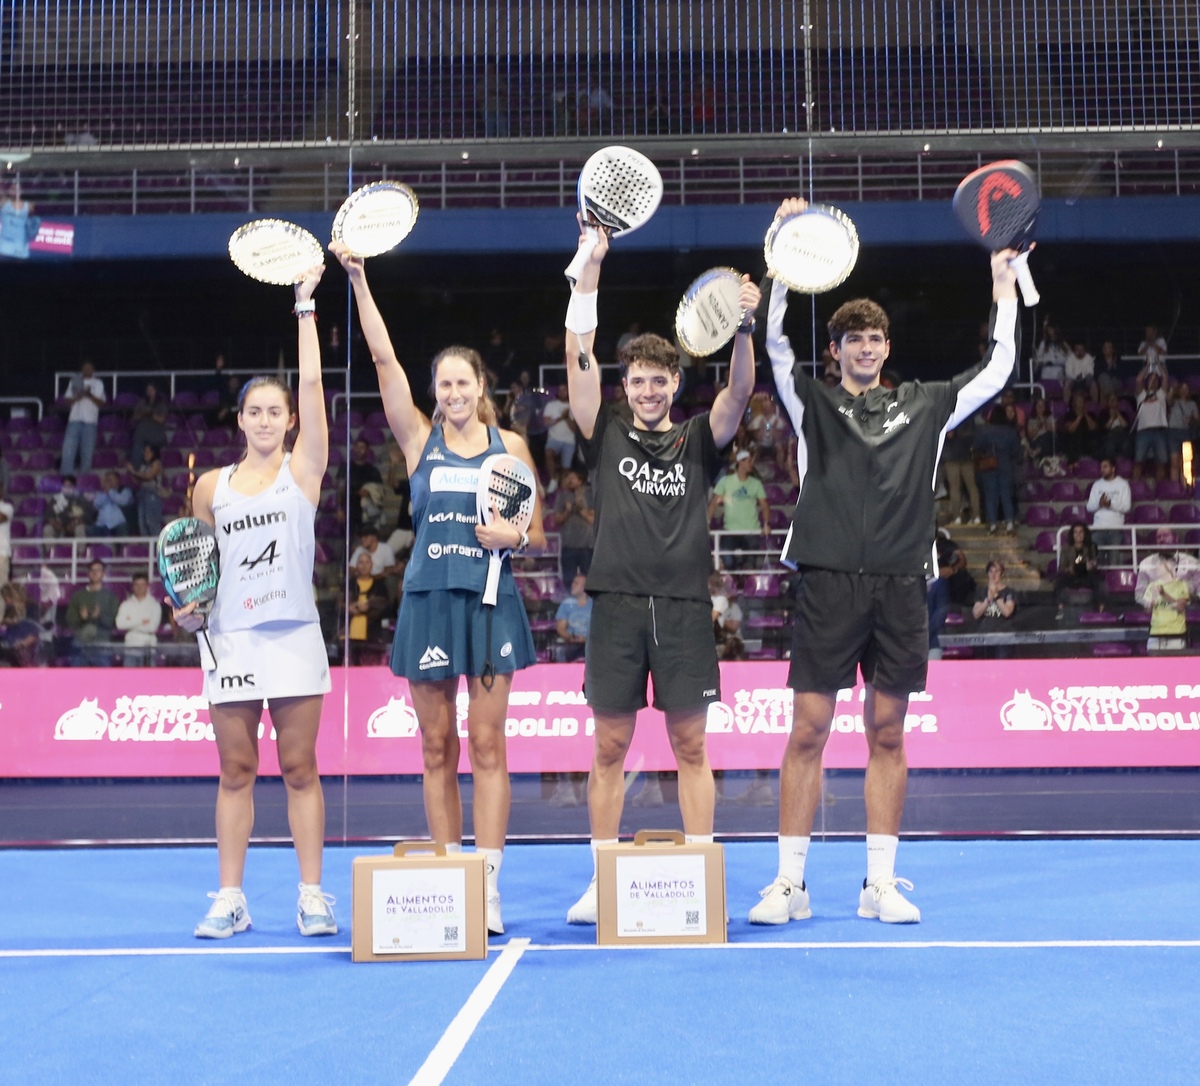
(998, 207)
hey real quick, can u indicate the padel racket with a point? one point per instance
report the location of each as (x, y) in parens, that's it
(619, 190)
(274, 251)
(506, 491)
(189, 565)
(813, 250)
(709, 313)
(998, 206)
(375, 218)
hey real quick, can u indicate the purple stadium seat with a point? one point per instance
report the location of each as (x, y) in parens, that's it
(215, 439)
(196, 423)
(42, 460)
(1052, 569)
(1141, 490)
(1087, 467)
(1124, 467)
(98, 550)
(126, 401)
(1064, 490)
(49, 484)
(1171, 491)
(955, 618)
(18, 530)
(108, 458)
(29, 440)
(765, 622)
(1184, 513)
(1118, 581)
(1053, 389)
(1112, 648)
(173, 457)
(185, 400)
(1148, 513)
(1136, 618)
(20, 483)
(336, 457)
(1037, 490)
(1099, 618)
(776, 495)
(20, 424)
(1045, 542)
(211, 398)
(377, 420)
(32, 506)
(109, 423)
(1076, 511)
(761, 586)
(779, 519)
(1041, 516)
(958, 652)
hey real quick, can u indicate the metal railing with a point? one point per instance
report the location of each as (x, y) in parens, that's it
(17, 401)
(173, 378)
(1114, 555)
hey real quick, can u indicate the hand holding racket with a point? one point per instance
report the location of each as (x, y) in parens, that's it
(506, 492)
(998, 206)
(619, 190)
(188, 563)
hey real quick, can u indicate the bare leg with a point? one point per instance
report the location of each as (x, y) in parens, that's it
(887, 767)
(434, 703)
(236, 728)
(296, 722)
(606, 782)
(697, 795)
(489, 762)
(800, 773)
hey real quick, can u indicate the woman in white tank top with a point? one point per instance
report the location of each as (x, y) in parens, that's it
(465, 415)
(264, 626)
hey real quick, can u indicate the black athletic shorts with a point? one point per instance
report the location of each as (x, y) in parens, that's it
(633, 637)
(844, 621)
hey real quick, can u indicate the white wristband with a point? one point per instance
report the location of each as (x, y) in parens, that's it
(581, 313)
(302, 308)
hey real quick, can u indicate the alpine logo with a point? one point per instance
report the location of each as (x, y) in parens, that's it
(433, 656)
(435, 454)
(896, 420)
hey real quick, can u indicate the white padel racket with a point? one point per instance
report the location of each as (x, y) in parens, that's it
(375, 218)
(812, 251)
(189, 565)
(709, 313)
(507, 487)
(274, 251)
(619, 190)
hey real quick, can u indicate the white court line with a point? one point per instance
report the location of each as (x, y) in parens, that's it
(525, 944)
(437, 1065)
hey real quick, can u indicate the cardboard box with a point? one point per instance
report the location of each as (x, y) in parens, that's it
(419, 905)
(660, 889)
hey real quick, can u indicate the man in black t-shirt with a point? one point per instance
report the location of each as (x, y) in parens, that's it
(652, 615)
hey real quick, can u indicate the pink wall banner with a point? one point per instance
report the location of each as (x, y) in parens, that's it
(56, 238)
(153, 722)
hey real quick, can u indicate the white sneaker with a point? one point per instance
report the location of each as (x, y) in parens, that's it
(313, 913)
(225, 916)
(584, 910)
(882, 901)
(494, 921)
(782, 901)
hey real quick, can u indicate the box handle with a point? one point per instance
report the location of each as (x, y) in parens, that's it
(672, 837)
(403, 848)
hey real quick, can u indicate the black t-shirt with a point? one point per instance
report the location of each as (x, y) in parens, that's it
(650, 491)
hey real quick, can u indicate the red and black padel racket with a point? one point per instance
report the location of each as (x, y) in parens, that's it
(998, 206)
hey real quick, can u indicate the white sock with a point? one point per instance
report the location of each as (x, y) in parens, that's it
(881, 857)
(599, 841)
(493, 857)
(453, 847)
(793, 851)
(698, 838)
(231, 890)
(313, 887)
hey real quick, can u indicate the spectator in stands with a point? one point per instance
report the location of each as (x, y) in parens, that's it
(396, 480)
(937, 602)
(92, 617)
(49, 594)
(1150, 426)
(114, 504)
(1182, 420)
(1050, 355)
(86, 394)
(593, 107)
(1108, 370)
(1040, 430)
(140, 616)
(727, 617)
(769, 428)
(528, 417)
(1166, 582)
(997, 452)
(952, 568)
(383, 558)
(6, 516)
(995, 604)
(149, 497)
(1014, 411)
(1080, 430)
(369, 604)
(958, 467)
(359, 472)
(742, 499)
(20, 636)
(227, 406)
(150, 423)
(18, 224)
(1080, 373)
(1079, 566)
(573, 620)
(1153, 350)
(69, 514)
(1116, 440)
(575, 516)
(1108, 502)
(499, 360)
(560, 435)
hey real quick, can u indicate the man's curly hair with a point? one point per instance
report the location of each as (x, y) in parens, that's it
(857, 316)
(649, 350)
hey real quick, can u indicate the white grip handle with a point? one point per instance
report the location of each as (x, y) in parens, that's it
(590, 241)
(1020, 264)
(492, 585)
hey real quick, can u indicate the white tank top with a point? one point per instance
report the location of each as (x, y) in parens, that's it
(267, 547)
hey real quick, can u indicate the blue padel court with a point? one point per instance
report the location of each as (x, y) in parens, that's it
(1036, 961)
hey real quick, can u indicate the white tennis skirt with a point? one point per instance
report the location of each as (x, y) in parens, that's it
(274, 660)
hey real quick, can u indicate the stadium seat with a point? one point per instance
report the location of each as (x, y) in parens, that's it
(1041, 516)
(1112, 648)
(1087, 467)
(1170, 490)
(1045, 542)
(1075, 512)
(1064, 490)
(1119, 581)
(1141, 490)
(1184, 513)
(1037, 490)
(1099, 618)
(1147, 513)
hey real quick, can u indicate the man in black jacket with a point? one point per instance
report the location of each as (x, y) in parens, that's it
(860, 537)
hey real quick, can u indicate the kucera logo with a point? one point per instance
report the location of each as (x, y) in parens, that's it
(236, 682)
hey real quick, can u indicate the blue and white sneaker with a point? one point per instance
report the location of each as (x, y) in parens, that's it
(226, 916)
(313, 913)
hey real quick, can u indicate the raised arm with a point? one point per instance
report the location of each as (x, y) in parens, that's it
(409, 425)
(779, 347)
(730, 404)
(583, 384)
(310, 456)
